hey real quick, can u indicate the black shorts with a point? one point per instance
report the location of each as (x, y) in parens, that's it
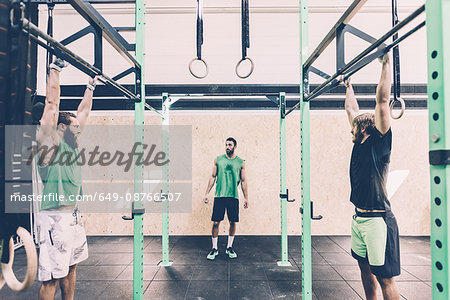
(364, 235)
(228, 203)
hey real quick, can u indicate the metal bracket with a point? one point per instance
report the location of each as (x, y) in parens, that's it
(134, 211)
(272, 98)
(318, 217)
(286, 196)
(439, 157)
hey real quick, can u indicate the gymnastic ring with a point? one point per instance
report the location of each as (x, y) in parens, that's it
(30, 250)
(402, 111)
(252, 67)
(192, 72)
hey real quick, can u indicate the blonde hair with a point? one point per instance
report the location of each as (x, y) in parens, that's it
(365, 121)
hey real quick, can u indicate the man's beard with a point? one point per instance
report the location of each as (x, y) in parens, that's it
(229, 152)
(70, 139)
(358, 137)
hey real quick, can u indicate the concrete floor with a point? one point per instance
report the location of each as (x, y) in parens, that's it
(107, 273)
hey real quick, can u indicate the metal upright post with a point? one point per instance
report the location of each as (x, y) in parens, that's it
(438, 55)
(138, 209)
(305, 157)
(283, 191)
(165, 182)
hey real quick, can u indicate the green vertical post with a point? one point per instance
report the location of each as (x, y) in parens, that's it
(165, 182)
(438, 55)
(283, 191)
(137, 210)
(305, 159)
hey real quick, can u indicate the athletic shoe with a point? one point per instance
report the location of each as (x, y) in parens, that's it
(212, 254)
(231, 253)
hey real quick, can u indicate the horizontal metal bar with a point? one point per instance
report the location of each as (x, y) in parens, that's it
(344, 19)
(155, 90)
(125, 28)
(374, 45)
(87, 11)
(75, 60)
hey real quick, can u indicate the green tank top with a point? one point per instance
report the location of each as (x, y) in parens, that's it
(61, 179)
(228, 176)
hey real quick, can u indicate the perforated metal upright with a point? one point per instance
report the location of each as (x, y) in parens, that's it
(283, 191)
(305, 158)
(438, 56)
(165, 182)
(138, 211)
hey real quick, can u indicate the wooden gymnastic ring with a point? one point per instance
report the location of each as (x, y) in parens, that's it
(402, 111)
(30, 250)
(192, 72)
(252, 67)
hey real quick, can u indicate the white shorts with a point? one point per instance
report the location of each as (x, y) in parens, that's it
(62, 243)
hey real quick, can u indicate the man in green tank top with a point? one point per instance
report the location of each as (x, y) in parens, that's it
(62, 239)
(228, 172)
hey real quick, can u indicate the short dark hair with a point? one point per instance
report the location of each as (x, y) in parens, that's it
(365, 121)
(64, 117)
(232, 140)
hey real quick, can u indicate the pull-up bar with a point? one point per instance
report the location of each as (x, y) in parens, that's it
(319, 90)
(344, 19)
(369, 49)
(87, 11)
(59, 50)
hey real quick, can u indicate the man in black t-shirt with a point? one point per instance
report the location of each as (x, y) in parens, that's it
(375, 239)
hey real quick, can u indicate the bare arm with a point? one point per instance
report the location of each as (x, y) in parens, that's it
(85, 106)
(211, 181)
(351, 104)
(244, 184)
(382, 118)
(46, 136)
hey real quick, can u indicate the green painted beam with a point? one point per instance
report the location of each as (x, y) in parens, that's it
(284, 238)
(165, 182)
(438, 56)
(305, 159)
(138, 230)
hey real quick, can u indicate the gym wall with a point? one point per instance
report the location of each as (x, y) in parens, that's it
(257, 134)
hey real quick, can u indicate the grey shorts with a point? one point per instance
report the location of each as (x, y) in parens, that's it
(62, 243)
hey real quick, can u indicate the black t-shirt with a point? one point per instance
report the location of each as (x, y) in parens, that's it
(368, 172)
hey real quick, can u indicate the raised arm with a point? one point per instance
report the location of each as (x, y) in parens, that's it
(211, 181)
(351, 104)
(382, 117)
(244, 184)
(46, 136)
(85, 106)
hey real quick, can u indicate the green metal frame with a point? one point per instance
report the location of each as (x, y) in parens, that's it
(305, 158)
(438, 55)
(138, 234)
(283, 191)
(165, 182)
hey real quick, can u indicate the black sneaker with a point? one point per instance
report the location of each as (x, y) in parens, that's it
(212, 254)
(231, 253)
